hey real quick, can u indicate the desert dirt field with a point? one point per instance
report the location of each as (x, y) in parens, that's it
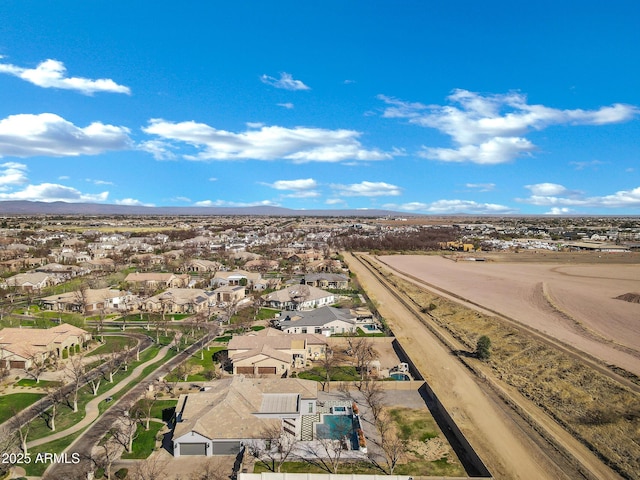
(507, 451)
(580, 412)
(574, 303)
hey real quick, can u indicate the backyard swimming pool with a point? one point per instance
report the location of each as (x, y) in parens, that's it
(336, 427)
(400, 376)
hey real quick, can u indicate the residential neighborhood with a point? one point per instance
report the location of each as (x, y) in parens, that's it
(247, 341)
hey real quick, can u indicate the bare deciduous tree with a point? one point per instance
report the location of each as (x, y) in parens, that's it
(17, 424)
(392, 446)
(274, 447)
(38, 365)
(55, 396)
(153, 468)
(108, 452)
(213, 469)
(75, 373)
(373, 395)
(327, 452)
(8, 445)
(361, 349)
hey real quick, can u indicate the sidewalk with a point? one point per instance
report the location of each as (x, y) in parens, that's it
(91, 409)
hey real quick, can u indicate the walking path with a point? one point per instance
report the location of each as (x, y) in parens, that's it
(92, 411)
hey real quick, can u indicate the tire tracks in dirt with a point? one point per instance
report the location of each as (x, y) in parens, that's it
(529, 438)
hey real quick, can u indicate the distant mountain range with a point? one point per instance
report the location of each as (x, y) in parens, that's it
(21, 207)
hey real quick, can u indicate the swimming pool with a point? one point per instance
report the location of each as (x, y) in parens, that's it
(336, 427)
(400, 376)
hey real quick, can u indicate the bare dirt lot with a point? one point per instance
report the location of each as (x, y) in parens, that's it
(574, 303)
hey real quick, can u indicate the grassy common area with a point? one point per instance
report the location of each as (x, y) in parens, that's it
(30, 382)
(66, 417)
(113, 343)
(15, 402)
(144, 442)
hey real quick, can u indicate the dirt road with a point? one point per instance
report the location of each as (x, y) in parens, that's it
(505, 446)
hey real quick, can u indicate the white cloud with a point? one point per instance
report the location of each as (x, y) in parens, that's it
(303, 194)
(285, 82)
(490, 129)
(287, 105)
(27, 135)
(133, 202)
(52, 74)
(225, 203)
(452, 207)
(549, 189)
(299, 144)
(554, 195)
(301, 184)
(559, 211)
(12, 173)
(367, 189)
(335, 201)
(160, 150)
(182, 199)
(99, 182)
(302, 188)
(481, 187)
(50, 192)
(583, 165)
(213, 179)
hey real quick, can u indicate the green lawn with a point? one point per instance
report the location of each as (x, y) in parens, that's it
(15, 402)
(338, 374)
(57, 446)
(266, 313)
(198, 366)
(145, 441)
(30, 382)
(113, 343)
(160, 405)
(66, 417)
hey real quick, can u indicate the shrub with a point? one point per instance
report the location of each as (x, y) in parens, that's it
(483, 347)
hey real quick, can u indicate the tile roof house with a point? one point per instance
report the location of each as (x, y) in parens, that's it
(325, 320)
(236, 277)
(154, 281)
(252, 353)
(89, 300)
(298, 297)
(235, 412)
(326, 280)
(31, 281)
(19, 346)
(179, 300)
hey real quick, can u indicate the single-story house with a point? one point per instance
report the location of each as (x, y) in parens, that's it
(298, 297)
(325, 320)
(334, 281)
(236, 277)
(20, 346)
(153, 281)
(31, 281)
(298, 348)
(236, 412)
(179, 300)
(89, 300)
(202, 266)
(229, 294)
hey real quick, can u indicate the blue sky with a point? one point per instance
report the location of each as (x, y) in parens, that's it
(438, 107)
